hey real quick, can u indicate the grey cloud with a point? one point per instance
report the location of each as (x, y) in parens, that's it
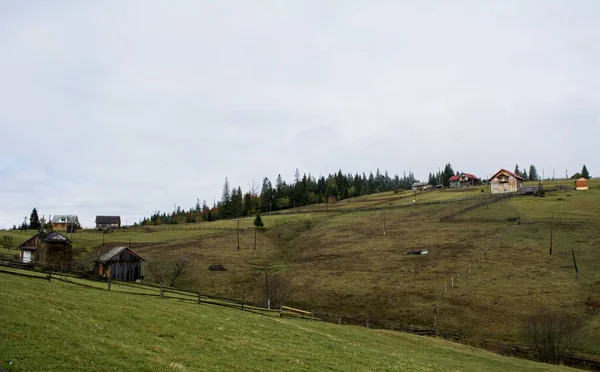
(135, 105)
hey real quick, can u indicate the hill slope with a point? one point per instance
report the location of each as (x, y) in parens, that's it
(63, 327)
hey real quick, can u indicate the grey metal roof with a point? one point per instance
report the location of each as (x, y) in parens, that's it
(105, 257)
(55, 237)
(65, 218)
(419, 184)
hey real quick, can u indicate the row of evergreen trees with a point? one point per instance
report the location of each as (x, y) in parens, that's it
(534, 176)
(531, 176)
(304, 190)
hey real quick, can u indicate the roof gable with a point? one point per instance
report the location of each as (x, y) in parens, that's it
(507, 172)
(116, 251)
(51, 237)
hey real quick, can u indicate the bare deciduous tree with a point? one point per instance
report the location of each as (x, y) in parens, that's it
(552, 334)
(167, 271)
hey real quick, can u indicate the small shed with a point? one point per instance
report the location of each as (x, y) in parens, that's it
(108, 222)
(120, 263)
(52, 249)
(421, 186)
(582, 184)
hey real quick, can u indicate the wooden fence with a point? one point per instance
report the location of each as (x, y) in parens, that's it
(158, 291)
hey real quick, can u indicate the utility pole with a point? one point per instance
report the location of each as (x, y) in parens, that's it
(267, 288)
(551, 228)
(575, 263)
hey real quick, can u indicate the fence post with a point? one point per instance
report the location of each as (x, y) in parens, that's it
(445, 287)
(311, 314)
(339, 319)
(161, 290)
(367, 323)
(452, 281)
(243, 298)
(281, 311)
(108, 281)
(50, 276)
(199, 297)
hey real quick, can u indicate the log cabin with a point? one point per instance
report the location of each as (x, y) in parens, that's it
(48, 249)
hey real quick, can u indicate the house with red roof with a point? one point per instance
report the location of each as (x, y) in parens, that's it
(464, 180)
(505, 181)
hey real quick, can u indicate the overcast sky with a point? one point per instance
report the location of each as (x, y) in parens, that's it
(129, 107)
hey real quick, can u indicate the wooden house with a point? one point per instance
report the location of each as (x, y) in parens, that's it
(108, 222)
(49, 249)
(421, 186)
(65, 222)
(464, 180)
(582, 184)
(120, 263)
(505, 181)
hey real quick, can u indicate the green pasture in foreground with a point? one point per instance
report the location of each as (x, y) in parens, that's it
(63, 327)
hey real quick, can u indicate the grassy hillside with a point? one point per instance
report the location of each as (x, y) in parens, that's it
(63, 327)
(340, 262)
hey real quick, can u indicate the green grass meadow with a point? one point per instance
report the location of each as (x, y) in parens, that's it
(59, 326)
(487, 275)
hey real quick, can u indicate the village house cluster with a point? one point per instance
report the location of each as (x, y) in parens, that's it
(54, 250)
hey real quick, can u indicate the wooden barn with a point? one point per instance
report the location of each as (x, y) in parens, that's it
(421, 186)
(505, 181)
(49, 249)
(582, 184)
(119, 263)
(108, 222)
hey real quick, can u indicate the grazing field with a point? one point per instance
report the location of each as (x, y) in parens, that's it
(59, 326)
(482, 276)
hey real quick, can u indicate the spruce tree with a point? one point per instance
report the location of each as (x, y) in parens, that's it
(517, 171)
(584, 173)
(34, 221)
(258, 222)
(533, 175)
(225, 205)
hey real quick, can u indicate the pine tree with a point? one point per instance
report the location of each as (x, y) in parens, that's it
(517, 171)
(34, 221)
(524, 175)
(533, 175)
(584, 173)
